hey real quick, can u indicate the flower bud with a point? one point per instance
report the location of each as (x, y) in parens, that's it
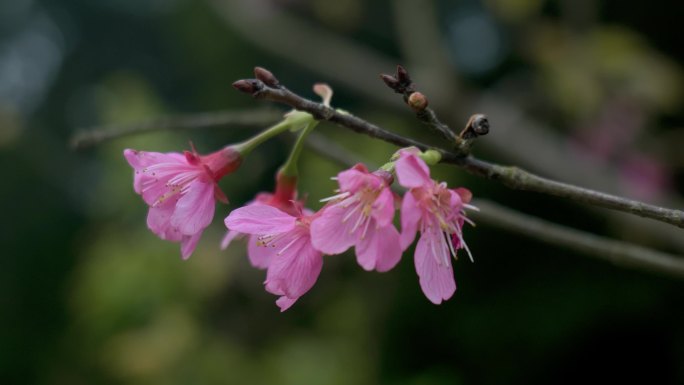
(403, 76)
(479, 124)
(246, 86)
(266, 76)
(417, 101)
(390, 80)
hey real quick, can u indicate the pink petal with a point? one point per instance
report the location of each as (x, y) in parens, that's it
(411, 214)
(285, 303)
(159, 221)
(380, 249)
(383, 207)
(142, 159)
(259, 256)
(436, 279)
(189, 243)
(195, 208)
(294, 271)
(412, 171)
(465, 194)
(351, 179)
(455, 201)
(229, 237)
(331, 233)
(260, 219)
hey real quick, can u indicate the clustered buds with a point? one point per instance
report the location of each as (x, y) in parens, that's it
(400, 82)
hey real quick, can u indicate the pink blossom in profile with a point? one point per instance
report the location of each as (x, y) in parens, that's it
(181, 191)
(285, 199)
(360, 216)
(438, 213)
(295, 264)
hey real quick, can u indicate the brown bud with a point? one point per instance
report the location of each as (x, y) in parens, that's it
(417, 101)
(390, 80)
(266, 76)
(479, 124)
(246, 86)
(403, 76)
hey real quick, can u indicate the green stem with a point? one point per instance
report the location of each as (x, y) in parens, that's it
(250, 144)
(290, 166)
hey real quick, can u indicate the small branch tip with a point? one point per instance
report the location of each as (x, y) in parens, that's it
(266, 76)
(248, 86)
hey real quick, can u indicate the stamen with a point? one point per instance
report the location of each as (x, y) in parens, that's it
(469, 221)
(451, 245)
(471, 207)
(343, 195)
(360, 220)
(350, 213)
(365, 228)
(465, 246)
(288, 245)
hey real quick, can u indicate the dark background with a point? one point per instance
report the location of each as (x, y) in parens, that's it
(584, 91)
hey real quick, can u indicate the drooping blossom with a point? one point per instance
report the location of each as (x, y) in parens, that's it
(285, 199)
(295, 264)
(361, 216)
(438, 213)
(181, 191)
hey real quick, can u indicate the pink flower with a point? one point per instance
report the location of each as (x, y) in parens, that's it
(295, 264)
(284, 199)
(361, 216)
(181, 190)
(438, 213)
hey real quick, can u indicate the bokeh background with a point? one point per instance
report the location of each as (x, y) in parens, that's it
(583, 91)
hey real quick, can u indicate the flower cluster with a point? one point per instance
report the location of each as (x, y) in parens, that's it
(288, 240)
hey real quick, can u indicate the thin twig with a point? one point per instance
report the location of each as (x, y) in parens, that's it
(520, 138)
(620, 253)
(89, 137)
(512, 177)
(402, 84)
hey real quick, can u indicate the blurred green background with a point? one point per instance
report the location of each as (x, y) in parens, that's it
(583, 91)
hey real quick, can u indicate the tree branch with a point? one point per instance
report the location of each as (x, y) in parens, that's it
(512, 177)
(94, 135)
(620, 253)
(617, 252)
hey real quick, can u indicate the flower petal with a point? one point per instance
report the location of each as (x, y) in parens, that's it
(285, 302)
(331, 233)
(436, 279)
(411, 214)
(351, 179)
(383, 207)
(380, 249)
(159, 222)
(259, 255)
(229, 237)
(259, 219)
(294, 271)
(412, 171)
(189, 243)
(195, 208)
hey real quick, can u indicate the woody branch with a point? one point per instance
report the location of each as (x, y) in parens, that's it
(267, 87)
